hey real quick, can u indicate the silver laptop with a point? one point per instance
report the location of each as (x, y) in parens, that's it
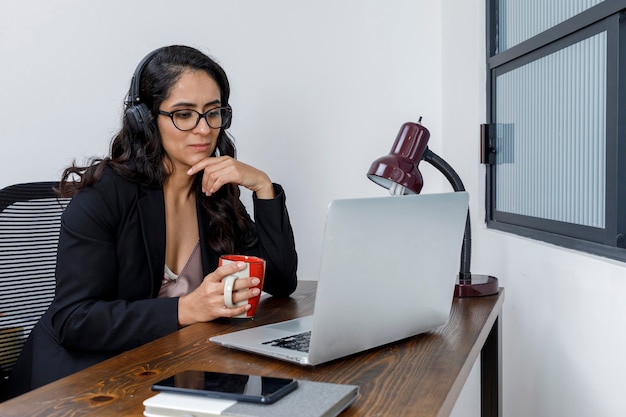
(388, 270)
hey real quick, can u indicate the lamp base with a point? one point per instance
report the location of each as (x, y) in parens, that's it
(476, 286)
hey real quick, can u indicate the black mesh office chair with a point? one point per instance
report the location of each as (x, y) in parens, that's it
(30, 218)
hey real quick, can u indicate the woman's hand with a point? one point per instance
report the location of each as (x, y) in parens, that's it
(224, 170)
(206, 302)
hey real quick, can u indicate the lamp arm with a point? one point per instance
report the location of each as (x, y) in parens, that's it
(454, 179)
(445, 168)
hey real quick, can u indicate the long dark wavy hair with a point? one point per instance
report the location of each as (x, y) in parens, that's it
(140, 157)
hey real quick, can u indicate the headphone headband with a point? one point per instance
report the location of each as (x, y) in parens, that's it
(133, 92)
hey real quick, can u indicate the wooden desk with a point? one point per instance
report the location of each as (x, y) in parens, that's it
(419, 376)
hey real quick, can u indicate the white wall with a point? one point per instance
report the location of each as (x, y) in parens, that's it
(320, 89)
(563, 314)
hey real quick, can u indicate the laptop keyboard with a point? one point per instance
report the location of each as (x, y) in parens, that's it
(299, 342)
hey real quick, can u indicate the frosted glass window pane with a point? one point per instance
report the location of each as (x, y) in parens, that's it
(551, 134)
(520, 20)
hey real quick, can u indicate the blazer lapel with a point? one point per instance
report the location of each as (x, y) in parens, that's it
(152, 216)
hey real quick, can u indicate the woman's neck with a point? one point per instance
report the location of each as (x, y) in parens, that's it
(181, 223)
(179, 187)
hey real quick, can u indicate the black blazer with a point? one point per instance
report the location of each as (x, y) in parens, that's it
(109, 271)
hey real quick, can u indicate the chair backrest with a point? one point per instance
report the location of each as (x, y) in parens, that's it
(30, 219)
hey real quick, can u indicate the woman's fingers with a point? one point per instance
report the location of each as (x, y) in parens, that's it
(222, 170)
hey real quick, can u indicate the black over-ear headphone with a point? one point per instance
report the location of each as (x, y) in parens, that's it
(137, 113)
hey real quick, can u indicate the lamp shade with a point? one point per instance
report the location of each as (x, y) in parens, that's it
(399, 167)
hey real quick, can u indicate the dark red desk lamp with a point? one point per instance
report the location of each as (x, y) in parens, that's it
(398, 172)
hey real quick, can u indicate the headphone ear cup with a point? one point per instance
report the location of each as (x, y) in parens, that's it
(138, 117)
(230, 120)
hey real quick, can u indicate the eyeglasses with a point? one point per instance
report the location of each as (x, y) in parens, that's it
(187, 119)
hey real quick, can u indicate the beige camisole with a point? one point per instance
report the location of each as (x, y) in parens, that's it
(189, 279)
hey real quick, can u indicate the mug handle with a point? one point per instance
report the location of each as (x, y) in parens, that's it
(229, 283)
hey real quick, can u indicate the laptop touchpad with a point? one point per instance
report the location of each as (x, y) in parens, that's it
(298, 325)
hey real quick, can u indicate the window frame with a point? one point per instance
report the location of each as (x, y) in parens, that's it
(608, 15)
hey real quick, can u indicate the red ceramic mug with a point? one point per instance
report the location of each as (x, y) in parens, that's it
(255, 267)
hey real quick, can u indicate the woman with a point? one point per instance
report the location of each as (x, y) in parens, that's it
(140, 241)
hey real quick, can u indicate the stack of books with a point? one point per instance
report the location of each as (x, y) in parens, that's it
(310, 399)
